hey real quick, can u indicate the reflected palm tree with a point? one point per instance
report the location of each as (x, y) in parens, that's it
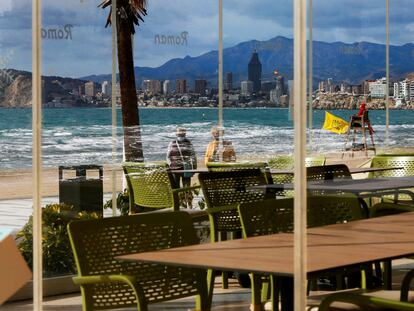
(129, 14)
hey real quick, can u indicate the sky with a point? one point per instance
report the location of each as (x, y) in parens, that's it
(76, 43)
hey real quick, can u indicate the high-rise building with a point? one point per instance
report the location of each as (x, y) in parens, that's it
(181, 86)
(200, 87)
(106, 88)
(151, 86)
(90, 89)
(228, 84)
(255, 72)
(166, 87)
(246, 88)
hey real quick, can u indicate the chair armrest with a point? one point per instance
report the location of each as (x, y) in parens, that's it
(405, 285)
(364, 301)
(96, 279)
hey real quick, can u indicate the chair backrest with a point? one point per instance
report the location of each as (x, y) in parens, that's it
(232, 187)
(239, 166)
(328, 172)
(149, 186)
(234, 166)
(96, 244)
(333, 209)
(287, 162)
(276, 215)
(266, 217)
(405, 162)
(315, 161)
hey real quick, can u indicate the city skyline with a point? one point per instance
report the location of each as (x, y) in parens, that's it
(89, 49)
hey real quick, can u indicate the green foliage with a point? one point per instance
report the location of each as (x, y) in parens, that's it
(122, 203)
(57, 252)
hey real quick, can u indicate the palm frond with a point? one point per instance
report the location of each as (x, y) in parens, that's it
(131, 10)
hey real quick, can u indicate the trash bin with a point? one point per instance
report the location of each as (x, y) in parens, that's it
(85, 194)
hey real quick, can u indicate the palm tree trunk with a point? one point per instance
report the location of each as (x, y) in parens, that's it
(129, 99)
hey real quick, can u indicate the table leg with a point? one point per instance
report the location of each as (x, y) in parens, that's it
(286, 293)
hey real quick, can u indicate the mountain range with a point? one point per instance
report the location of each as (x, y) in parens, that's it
(352, 63)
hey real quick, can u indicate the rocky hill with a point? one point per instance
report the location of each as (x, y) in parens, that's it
(16, 88)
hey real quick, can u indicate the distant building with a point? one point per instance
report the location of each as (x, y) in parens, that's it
(267, 86)
(166, 87)
(277, 93)
(181, 86)
(151, 86)
(200, 86)
(81, 90)
(90, 89)
(228, 83)
(255, 72)
(106, 88)
(356, 89)
(365, 86)
(404, 90)
(378, 88)
(247, 88)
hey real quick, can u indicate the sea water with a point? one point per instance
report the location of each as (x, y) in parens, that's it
(83, 136)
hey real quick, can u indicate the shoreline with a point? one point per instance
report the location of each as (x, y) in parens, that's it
(17, 183)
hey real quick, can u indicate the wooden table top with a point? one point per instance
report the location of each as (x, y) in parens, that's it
(329, 247)
(350, 185)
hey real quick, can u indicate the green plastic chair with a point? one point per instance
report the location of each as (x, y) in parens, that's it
(328, 172)
(238, 166)
(385, 209)
(150, 187)
(287, 163)
(109, 283)
(276, 216)
(370, 301)
(407, 164)
(315, 161)
(223, 191)
(232, 166)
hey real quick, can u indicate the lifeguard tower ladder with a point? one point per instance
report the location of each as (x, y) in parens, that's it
(359, 126)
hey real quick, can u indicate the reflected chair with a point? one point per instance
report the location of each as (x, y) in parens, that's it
(406, 163)
(275, 216)
(109, 283)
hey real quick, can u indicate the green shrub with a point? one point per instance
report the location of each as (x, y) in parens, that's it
(57, 252)
(122, 203)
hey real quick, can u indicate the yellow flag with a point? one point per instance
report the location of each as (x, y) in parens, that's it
(335, 124)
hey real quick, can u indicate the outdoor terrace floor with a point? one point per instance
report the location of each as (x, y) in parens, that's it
(232, 299)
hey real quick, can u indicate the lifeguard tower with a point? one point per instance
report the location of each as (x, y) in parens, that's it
(356, 136)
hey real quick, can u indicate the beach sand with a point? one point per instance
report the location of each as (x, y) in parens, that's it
(17, 183)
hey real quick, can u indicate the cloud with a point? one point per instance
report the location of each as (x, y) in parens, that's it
(89, 51)
(6, 5)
